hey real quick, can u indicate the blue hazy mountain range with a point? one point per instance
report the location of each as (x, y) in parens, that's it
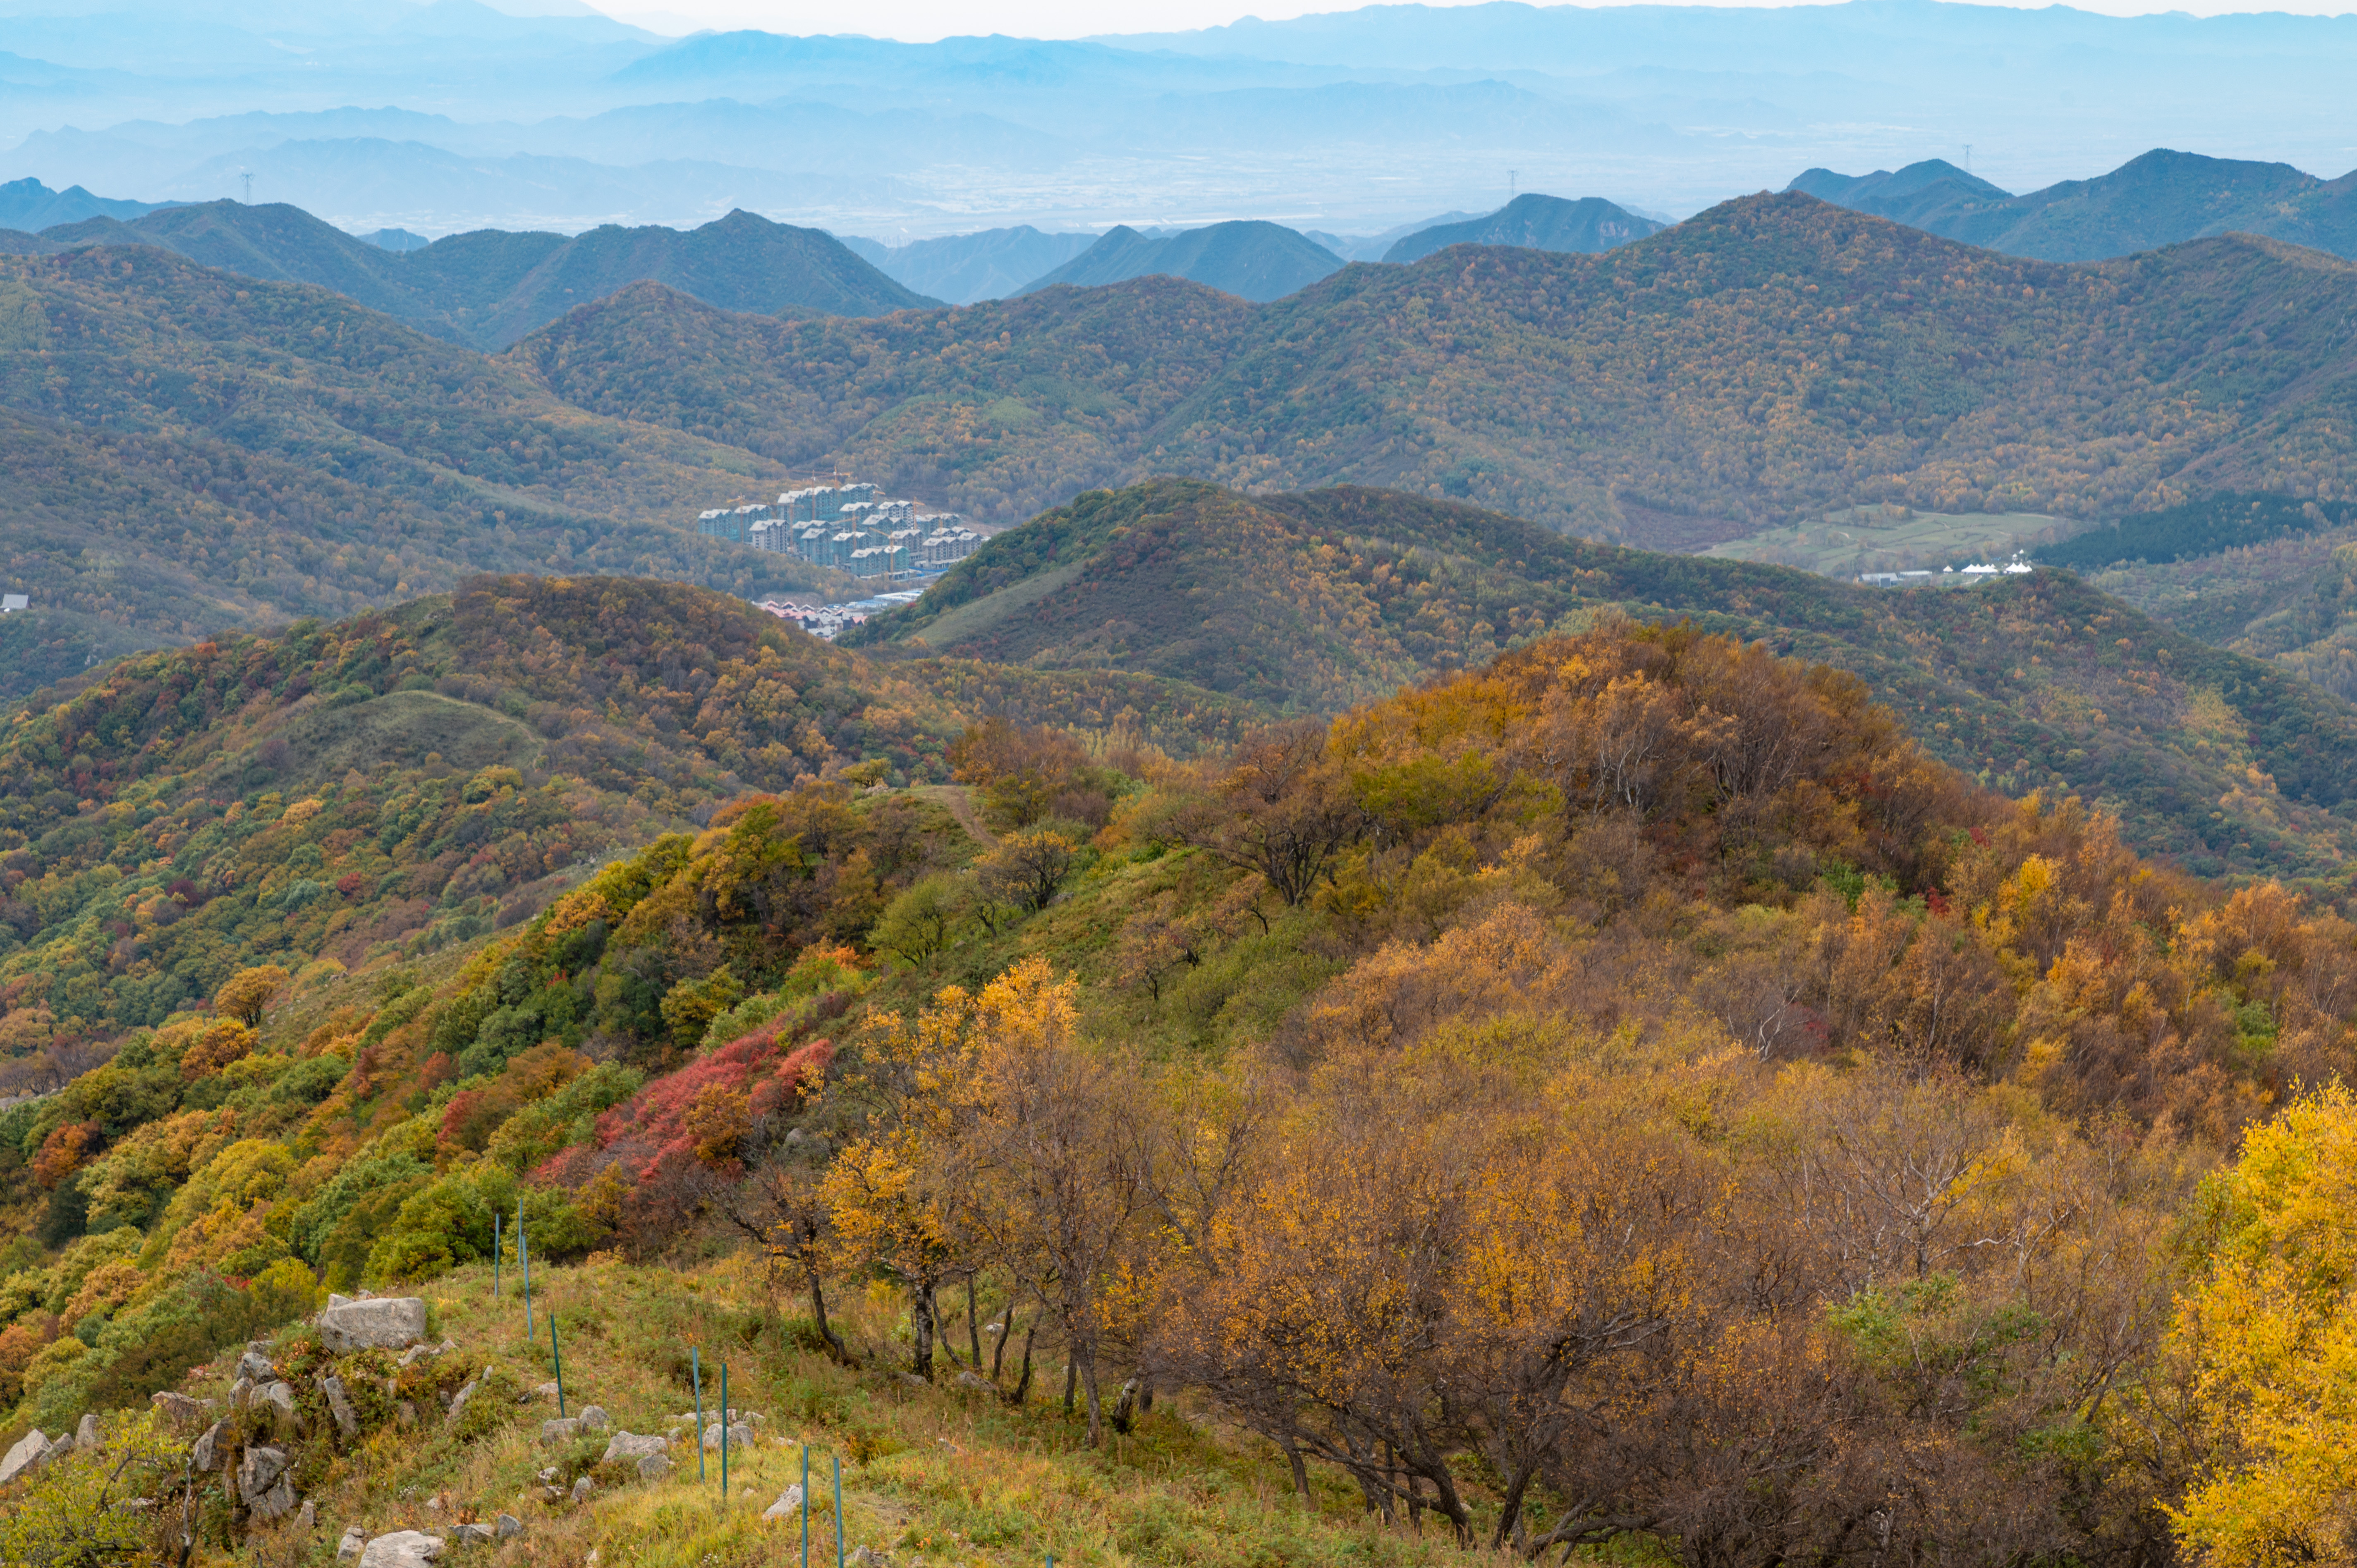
(453, 116)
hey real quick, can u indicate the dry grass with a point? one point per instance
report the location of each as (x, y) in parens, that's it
(930, 1474)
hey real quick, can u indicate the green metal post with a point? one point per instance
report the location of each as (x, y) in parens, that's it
(805, 1505)
(556, 1356)
(695, 1371)
(724, 1432)
(524, 1257)
(496, 1218)
(837, 1459)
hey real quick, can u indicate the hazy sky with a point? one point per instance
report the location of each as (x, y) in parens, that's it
(920, 20)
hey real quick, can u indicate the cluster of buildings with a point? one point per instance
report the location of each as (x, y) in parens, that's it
(1978, 572)
(849, 527)
(827, 620)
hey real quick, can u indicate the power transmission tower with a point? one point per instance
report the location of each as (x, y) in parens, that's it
(247, 175)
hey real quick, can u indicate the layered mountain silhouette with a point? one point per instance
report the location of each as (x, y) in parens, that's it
(2162, 197)
(489, 288)
(28, 206)
(1538, 222)
(1251, 260)
(963, 268)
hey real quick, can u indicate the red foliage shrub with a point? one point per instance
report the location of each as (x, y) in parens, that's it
(656, 1133)
(64, 1152)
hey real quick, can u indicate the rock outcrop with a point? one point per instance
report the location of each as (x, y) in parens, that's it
(382, 1323)
(401, 1548)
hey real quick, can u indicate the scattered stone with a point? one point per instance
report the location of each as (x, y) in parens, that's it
(405, 1413)
(340, 1405)
(509, 1527)
(380, 1325)
(419, 1353)
(593, 1418)
(789, 1502)
(863, 1558)
(459, 1405)
(308, 1519)
(179, 1413)
(563, 1429)
(401, 1548)
(473, 1534)
(433, 1505)
(262, 1483)
(739, 1435)
(349, 1549)
(86, 1434)
(29, 1450)
(653, 1467)
(973, 1381)
(255, 1368)
(632, 1445)
(582, 1489)
(237, 1391)
(210, 1453)
(280, 1396)
(541, 1391)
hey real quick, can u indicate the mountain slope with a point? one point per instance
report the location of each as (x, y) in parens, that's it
(1253, 260)
(963, 268)
(1538, 222)
(29, 206)
(1317, 600)
(188, 450)
(1762, 361)
(490, 288)
(2162, 197)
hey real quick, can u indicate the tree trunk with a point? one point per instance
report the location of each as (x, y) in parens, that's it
(834, 1344)
(1023, 1382)
(1125, 1407)
(1071, 1380)
(973, 1325)
(1096, 1404)
(921, 1326)
(1005, 1332)
(1300, 1472)
(1510, 1508)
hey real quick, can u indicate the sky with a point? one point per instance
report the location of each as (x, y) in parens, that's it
(920, 21)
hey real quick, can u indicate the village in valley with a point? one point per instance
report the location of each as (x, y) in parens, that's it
(852, 528)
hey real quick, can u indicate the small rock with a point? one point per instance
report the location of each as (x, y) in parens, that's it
(237, 1391)
(349, 1548)
(255, 1368)
(653, 1467)
(473, 1534)
(593, 1418)
(631, 1445)
(86, 1434)
(789, 1502)
(418, 1353)
(280, 1396)
(582, 1489)
(547, 1474)
(433, 1505)
(552, 1494)
(335, 1300)
(739, 1435)
(405, 1413)
(401, 1548)
(340, 1405)
(863, 1558)
(459, 1405)
(972, 1380)
(308, 1519)
(563, 1429)
(22, 1458)
(541, 1392)
(382, 1325)
(178, 1412)
(509, 1527)
(262, 1483)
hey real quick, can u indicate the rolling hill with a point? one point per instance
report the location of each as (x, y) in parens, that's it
(1320, 600)
(1538, 222)
(189, 450)
(490, 287)
(1762, 361)
(1251, 260)
(963, 268)
(2161, 198)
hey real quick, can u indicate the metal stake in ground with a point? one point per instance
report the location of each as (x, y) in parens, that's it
(837, 1459)
(695, 1371)
(496, 1218)
(524, 1257)
(556, 1356)
(805, 1505)
(724, 1432)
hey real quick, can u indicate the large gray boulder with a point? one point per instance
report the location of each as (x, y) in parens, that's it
(382, 1323)
(179, 1413)
(561, 1429)
(212, 1452)
(32, 1447)
(262, 1483)
(340, 1405)
(401, 1548)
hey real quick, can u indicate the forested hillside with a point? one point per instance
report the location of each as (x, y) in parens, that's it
(1854, 1149)
(1317, 601)
(1765, 359)
(189, 451)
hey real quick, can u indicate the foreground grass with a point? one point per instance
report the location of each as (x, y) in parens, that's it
(930, 1474)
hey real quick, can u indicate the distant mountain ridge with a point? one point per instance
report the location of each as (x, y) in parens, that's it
(489, 288)
(2162, 197)
(1248, 258)
(1536, 223)
(963, 268)
(28, 206)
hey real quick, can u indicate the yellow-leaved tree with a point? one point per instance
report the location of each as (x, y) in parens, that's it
(2268, 1335)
